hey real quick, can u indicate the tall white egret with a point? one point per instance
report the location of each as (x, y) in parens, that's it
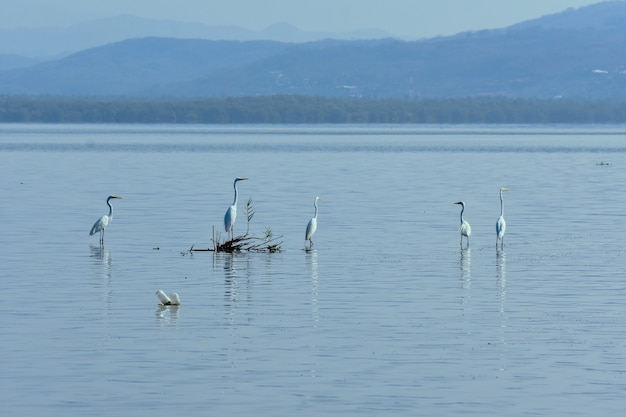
(465, 229)
(311, 227)
(231, 213)
(501, 224)
(103, 221)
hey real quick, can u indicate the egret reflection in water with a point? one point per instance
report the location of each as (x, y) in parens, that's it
(311, 261)
(466, 266)
(502, 293)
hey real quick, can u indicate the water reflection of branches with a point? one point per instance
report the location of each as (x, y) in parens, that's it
(231, 264)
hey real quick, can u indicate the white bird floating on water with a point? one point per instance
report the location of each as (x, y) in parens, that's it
(172, 300)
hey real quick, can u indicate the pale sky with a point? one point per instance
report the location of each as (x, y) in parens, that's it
(402, 18)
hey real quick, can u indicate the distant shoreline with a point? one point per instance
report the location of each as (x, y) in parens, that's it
(288, 109)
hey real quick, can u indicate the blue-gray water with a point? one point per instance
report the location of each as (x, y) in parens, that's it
(386, 315)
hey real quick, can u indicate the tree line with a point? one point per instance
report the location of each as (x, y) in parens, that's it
(290, 109)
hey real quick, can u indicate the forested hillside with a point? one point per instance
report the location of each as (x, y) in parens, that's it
(307, 109)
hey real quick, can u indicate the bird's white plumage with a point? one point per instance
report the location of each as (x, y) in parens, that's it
(501, 223)
(163, 298)
(172, 300)
(175, 299)
(101, 224)
(311, 227)
(231, 212)
(500, 228)
(465, 229)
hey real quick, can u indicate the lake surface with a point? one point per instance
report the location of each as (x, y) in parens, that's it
(387, 315)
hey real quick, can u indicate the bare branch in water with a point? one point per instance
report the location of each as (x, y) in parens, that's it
(245, 242)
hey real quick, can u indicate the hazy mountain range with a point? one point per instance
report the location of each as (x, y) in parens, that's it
(58, 41)
(577, 53)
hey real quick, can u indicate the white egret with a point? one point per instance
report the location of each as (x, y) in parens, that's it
(103, 221)
(311, 227)
(172, 300)
(231, 213)
(465, 229)
(501, 224)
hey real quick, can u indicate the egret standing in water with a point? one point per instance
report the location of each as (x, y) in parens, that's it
(231, 213)
(103, 221)
(465, 229)
(311, 227)
(501, 224)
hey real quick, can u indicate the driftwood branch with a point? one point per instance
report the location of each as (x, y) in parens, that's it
(243, 243)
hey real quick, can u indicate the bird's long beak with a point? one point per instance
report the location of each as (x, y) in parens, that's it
(505, 189)
(115, 196)
(242, 179)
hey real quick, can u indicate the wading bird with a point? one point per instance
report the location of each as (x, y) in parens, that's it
(231, 213)
(501, 224)
(465, 229)
(311, 227)
(103, 221)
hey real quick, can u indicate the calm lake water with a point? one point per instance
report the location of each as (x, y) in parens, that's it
(388, 315)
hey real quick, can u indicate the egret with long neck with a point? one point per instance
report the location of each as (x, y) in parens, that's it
(311, 227)
(465, 229)
(501, 224)
(103, 221)
(231, 213)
